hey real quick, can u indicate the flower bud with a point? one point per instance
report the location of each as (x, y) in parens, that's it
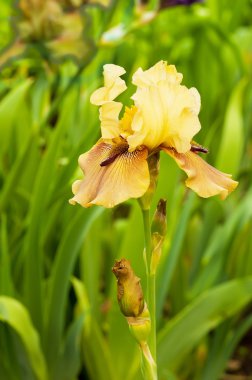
(131, 300)
(129, 290)
(159, 224)
(158, 229)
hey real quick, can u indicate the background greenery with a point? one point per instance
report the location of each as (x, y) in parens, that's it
(58, 310)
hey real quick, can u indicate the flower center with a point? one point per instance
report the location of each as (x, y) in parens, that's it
(126, 121)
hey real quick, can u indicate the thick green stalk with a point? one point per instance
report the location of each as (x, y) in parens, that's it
(151, 282)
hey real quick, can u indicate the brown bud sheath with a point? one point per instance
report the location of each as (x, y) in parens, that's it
(131, 301)
(158, 231)
(159, 220)
(129, 290)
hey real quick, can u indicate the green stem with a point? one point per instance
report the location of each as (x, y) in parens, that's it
(149, 365)
(151, 282)
(147, 237)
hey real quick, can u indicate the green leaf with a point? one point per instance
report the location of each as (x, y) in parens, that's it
(60, 278)
(183, 332)
(169, 265)
(9, 109)
(41, 194)
(232, 139)
(6, 283)
(223, 346)
(217, 252)
(69, 361)
(97, 357)
(15, 314)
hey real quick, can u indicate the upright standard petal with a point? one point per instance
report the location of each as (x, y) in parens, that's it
(167, 113)
(112, 175)
(113, 85)
(157, 73)
(109, 117)
(203, 178)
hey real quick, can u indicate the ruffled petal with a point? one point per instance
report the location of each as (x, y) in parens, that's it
(167, 112)
(109, 117)
(157, 73)
(203, 178)
(113, 85)
(123, 175)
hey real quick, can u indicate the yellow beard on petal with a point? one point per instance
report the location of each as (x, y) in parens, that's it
(126, 121)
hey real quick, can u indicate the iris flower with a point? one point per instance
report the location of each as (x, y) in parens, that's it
(164, 117)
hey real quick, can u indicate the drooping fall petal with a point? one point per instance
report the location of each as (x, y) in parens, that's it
(123, 175)
(203, 178)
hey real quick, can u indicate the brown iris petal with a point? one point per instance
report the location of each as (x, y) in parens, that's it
(112, 175)
(203, 178)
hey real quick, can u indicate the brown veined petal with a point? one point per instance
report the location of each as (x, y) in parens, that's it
(203, 178)
(124, 175)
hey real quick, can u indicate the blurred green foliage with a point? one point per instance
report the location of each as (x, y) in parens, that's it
(58, 311)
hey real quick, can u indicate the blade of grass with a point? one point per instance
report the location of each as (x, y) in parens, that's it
(6, 283)
(32, 242)
(232, 141)
(69, 361)
(16, 315)
(59, 282)
(97, 356)
(9, 109)
(183, 332)
(214, 258)
(169, 265)
(222, 351)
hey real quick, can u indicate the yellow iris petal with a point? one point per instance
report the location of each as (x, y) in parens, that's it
(109, 117)
(126, 121)
(203, 178)
(124, 175)
(113, 85)
(167, 113)
(158, 73)
(104, 96)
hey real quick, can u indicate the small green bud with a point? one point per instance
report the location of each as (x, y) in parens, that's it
(159, 224)
(129, 290)
(158, 229)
